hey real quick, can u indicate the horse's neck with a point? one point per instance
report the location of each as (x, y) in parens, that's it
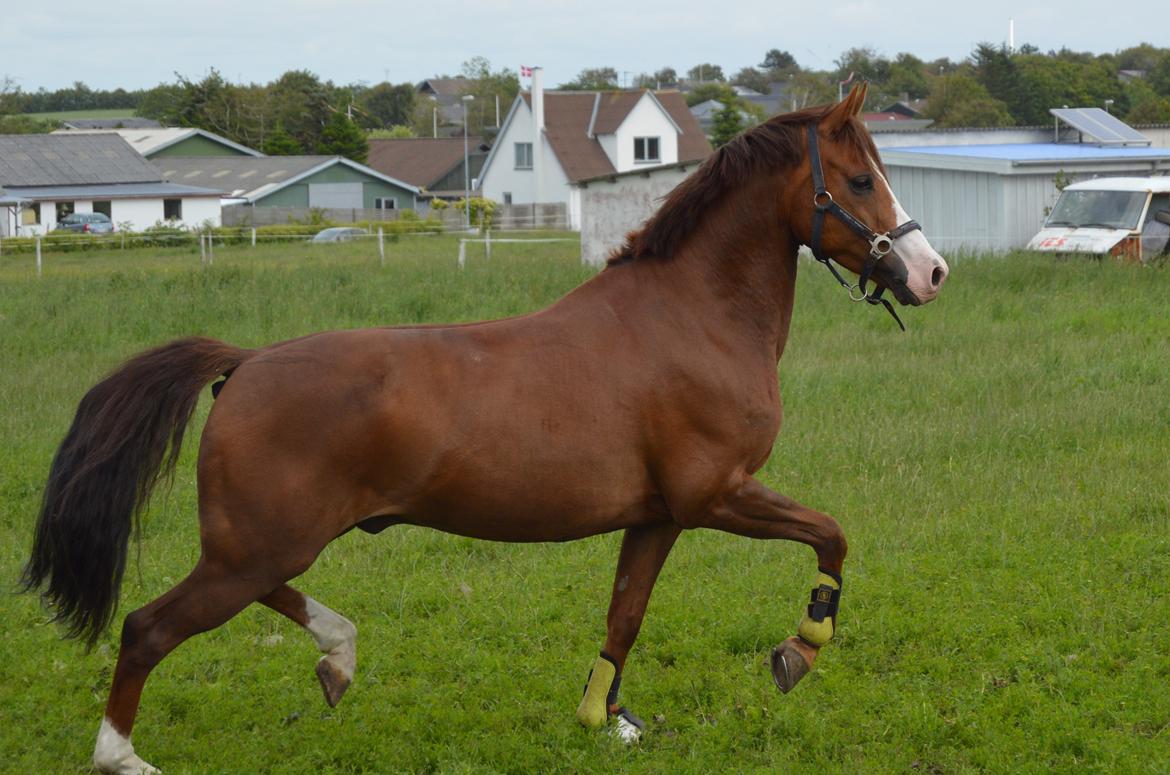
(745, 255)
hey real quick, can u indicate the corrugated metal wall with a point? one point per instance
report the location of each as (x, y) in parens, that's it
(957, 210)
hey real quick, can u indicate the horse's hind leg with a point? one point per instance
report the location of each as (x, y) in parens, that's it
(644, 550)
(207, 598)
(335, 636)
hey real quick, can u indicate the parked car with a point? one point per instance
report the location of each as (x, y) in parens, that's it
(86, 223)
(1127, 218)
(339, 234)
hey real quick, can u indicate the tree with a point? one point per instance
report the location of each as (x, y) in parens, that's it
(1143, 57)
(728, 124)
(754, 79)
(593, 79)
(776, 59)
(26, 125)
(666, 76)
(907, 76)
(705, 72)
(281, 143)
(302, 104)
(864, 63)
(961, 100)
(386, 104)
(161, 102)
(1146, 105)
(342, 137)
(488, 88)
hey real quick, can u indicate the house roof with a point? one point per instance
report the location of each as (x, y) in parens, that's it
(420, 161)
(65, 160)
(568, 117)
(148, 141)
(445, 87)
(115, 191)
(1020, 158)
(254, 177)
(111, 123)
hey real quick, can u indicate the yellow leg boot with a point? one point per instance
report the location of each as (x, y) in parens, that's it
(820, 621)
(593, 710)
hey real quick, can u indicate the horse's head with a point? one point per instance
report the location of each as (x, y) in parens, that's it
(845, 209)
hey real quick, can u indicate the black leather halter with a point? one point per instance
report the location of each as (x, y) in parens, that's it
(879, 244)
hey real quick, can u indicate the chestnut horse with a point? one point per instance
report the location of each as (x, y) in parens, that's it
(642, 401)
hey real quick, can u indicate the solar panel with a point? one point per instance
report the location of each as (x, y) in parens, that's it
(1100, 125)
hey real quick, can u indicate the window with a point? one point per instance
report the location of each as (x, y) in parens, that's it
(104, 208)
(31, 215)
(63, 209)
(646, 149)
(386, 203)
(523, 156)
(172, 209)
(507, 197)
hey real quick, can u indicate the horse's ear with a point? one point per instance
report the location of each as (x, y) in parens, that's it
(846, 108)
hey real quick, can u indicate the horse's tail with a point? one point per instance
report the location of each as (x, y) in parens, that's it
(125, 437)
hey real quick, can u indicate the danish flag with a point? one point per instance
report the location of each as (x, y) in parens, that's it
(525, 71)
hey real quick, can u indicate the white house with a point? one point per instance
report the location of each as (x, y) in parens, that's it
(550, 140)
(45, 177)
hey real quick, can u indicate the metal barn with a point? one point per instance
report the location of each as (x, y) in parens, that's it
(995, 197)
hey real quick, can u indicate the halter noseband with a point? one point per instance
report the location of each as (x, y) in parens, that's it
(879, 244)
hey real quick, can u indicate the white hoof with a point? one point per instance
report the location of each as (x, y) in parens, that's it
(625, 730)
(114, 754)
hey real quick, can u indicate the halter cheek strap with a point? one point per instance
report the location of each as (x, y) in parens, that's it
(879, 244)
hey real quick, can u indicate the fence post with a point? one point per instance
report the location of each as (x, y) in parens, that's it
(38, 255)
(202, 249)
(462, 252)
(381, 249)
(487, 244)
(253, 236)
(210, 248)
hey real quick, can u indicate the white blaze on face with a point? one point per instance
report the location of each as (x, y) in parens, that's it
(926, 269)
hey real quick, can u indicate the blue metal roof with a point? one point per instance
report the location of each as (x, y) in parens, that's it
(1038, 152)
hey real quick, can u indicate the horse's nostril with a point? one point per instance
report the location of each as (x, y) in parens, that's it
(936, 277)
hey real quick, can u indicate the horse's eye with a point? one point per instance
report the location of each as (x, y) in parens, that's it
(861, 184)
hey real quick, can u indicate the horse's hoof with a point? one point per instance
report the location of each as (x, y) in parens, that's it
(788, 666)
(626, 731)
(333, 681)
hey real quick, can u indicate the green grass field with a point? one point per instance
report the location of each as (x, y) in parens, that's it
(1002, 471)
(66, 115)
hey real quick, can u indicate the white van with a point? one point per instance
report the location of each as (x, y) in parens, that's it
(1127, 218)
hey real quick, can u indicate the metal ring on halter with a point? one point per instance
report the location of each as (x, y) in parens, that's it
(880, 245)
(852, 288)
(817, 200)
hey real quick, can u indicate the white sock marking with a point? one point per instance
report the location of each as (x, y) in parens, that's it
(114, 753)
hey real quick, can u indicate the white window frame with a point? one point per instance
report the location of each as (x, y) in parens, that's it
(523, 153)
(645, 144)
(385, 203)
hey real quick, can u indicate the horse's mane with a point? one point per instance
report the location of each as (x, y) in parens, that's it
(772, 146)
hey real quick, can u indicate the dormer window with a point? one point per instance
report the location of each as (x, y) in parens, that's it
(646, 150)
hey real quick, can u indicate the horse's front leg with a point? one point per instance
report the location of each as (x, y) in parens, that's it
(644, 550)
(750, 509)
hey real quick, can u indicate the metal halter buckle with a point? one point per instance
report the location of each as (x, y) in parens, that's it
(880, 245)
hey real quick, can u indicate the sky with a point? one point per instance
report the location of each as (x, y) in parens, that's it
(135, 45)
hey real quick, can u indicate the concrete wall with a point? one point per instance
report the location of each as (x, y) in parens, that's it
(611, 208)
